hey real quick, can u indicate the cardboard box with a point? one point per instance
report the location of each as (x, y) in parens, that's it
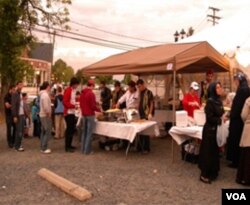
(199, 117)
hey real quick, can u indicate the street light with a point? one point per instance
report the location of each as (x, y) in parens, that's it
(176, 36)
(182, 33)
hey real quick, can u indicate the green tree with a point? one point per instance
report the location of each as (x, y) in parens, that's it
(82, 79)
(127, 79)
(190, 31)
(62, 72)
(107, 79)
(18, 19)
(12, 42)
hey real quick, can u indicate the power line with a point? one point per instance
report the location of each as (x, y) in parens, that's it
(201, 22)
(86, 41)
(113, 33)
(92, 37)
(199, 26)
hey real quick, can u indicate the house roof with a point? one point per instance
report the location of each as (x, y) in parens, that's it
(42, 51)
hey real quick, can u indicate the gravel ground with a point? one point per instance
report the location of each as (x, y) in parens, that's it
(112, 179)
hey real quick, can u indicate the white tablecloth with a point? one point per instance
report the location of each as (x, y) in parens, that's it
(181, 134)
(126, 131)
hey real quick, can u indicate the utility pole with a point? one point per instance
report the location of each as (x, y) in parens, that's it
(52, 57)
(213, 16)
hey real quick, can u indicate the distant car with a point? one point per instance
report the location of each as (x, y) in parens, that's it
(31, 98)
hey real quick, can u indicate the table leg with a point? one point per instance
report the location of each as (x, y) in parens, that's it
(127, 150)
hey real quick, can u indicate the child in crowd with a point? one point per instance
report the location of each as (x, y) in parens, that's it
(36, 119)
(26, 108)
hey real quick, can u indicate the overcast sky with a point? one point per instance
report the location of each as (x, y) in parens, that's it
(152, 20)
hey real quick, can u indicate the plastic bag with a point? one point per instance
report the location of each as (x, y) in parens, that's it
(222, 133)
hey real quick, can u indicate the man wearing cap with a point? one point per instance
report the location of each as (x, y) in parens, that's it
(88, 107)
(191, 100)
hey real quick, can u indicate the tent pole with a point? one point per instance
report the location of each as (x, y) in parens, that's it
(231, 78)
(173, 117)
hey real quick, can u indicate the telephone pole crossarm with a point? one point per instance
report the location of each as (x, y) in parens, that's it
(213, 17)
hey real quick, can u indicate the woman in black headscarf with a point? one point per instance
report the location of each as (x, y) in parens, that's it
(236, 124)
(209, 160)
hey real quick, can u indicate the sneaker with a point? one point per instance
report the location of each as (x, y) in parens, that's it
(20, 149)
(47, 151)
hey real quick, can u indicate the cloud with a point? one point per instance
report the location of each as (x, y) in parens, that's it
(154, 20)
(79, 57)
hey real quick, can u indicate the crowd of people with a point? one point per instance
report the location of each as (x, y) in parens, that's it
(76, 110)
(64, 112)
(238, 142)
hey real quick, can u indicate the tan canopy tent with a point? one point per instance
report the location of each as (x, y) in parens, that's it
(194, 57)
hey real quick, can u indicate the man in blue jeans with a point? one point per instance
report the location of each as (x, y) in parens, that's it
(88, 107)
(45, 116)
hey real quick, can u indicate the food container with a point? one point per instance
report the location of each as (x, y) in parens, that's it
(113, 115)
(131, 114)
(181, 117)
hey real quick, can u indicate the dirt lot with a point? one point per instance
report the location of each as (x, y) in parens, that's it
(113, 180)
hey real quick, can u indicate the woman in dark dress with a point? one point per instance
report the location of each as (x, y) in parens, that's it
(209, 160)
(236, 123)
(243, 173)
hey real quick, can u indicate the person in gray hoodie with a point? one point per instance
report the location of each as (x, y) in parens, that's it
(45, 116)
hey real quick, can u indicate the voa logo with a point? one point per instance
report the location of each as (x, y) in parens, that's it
(236, 196)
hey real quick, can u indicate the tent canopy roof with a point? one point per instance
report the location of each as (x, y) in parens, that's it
(184, 58)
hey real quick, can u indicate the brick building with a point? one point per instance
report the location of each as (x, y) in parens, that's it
(40, 56)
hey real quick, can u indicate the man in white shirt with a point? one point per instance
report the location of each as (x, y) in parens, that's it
(131, 97)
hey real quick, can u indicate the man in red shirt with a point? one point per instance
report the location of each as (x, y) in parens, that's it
(191, 100)
(70, 106)
(88, 107)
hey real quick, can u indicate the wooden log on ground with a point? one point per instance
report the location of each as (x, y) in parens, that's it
(64, 184)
